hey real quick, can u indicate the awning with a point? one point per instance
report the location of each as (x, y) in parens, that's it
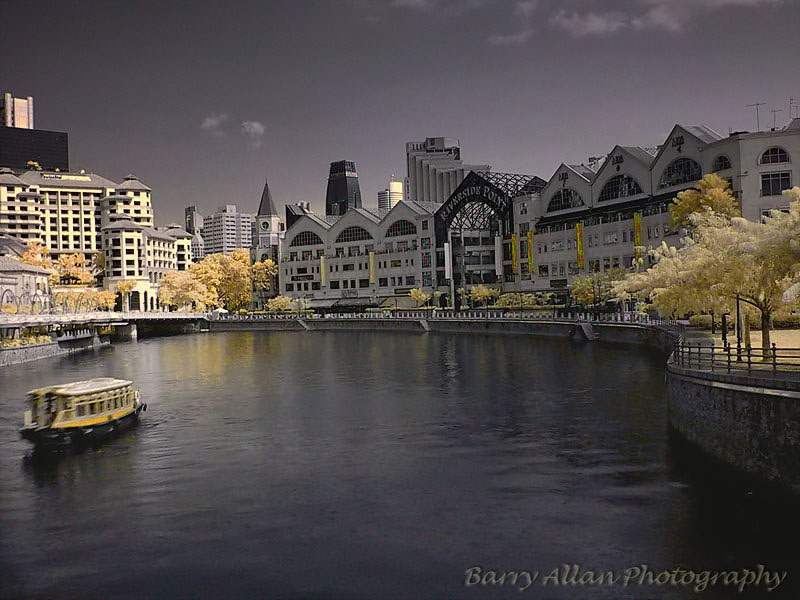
(400, 302)
(323, 302)
(356, 302)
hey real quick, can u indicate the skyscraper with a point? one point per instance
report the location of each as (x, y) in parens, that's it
(435, 169)
(16, 112)
(389, 197)
(227, 230)
(343, 189)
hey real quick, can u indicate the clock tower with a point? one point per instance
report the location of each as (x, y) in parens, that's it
(269, 228)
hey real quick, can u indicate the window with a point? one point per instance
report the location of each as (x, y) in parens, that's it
(721, 163)
(383, 282)
(679, 171)
(306, 238)
(774, 155)
(772, 184)
(619, 186)
(410, 280)
(334, 285)
(523, 208)
(354, 233)
(401, 227)
(363, 283)
(564, 198)
(349, 267)
(425, 225)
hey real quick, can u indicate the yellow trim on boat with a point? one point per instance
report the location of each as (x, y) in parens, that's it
(95, 419)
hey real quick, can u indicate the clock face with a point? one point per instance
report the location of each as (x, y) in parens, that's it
(264, 225)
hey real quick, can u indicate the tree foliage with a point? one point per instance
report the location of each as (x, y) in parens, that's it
(418, 295)
(181, 289)
(726, 258)
(596, 288)
(481, 294)
(712, 193)
(281, 304)
(227, 277)
(263, 274)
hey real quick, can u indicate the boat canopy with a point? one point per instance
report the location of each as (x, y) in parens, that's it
(80, 388)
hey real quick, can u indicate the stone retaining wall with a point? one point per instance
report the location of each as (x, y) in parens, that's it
(12, 356)
(751, 423)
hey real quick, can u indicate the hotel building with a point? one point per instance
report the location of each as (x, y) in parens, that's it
(89, 214)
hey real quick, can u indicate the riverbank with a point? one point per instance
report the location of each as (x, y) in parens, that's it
(31, 352)
(611, 332)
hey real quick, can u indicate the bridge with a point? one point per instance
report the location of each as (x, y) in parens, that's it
(74, 324)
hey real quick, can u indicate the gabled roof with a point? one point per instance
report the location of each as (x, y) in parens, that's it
(514, 184)
(9, 264)
(132, 182)
(266, 208)
(155, 233)
(703, 133)
(7, 177)
(125, 224)
(794, 125)
(584, 171)
(11, 246)
(176, 231)
(644, 154)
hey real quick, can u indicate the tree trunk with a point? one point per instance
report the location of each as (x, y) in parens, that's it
(765, 341)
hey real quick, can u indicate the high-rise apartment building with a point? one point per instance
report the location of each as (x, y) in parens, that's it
(343, 192)
(16, 112)
(435, 169)
(227, 230)
(388, 198)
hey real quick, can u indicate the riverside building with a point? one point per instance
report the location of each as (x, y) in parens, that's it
(89, 214)
(521, 233)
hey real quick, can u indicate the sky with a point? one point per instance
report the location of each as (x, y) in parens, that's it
(202, 100)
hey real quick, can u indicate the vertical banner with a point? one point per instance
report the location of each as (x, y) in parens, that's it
(323, 275)
(514, 253)
(448, 261)
(371, 268)
(637, 229)
(579, 244)
(530, 251)
(498, 256)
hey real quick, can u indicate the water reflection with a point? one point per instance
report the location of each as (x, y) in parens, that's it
(353, 465)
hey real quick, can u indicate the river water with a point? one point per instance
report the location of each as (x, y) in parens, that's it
(375, 465)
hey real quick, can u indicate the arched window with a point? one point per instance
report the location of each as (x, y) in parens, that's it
(401, 227)
(306, 238)
(564, 198)
(619, 186)
(721, 163)
(681, 170)
(774, 155)
(354, 233)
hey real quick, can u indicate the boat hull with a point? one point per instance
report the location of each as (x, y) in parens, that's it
(66, 437)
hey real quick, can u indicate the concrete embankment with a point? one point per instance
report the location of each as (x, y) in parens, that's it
(21, 354)
(626, 333)
(750, 422)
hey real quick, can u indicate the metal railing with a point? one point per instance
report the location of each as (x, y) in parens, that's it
(737, 359)
(673, 328)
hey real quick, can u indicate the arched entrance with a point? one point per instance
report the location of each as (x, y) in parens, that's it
(476, 224)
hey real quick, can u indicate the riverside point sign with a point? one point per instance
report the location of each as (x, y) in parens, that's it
(474, 188)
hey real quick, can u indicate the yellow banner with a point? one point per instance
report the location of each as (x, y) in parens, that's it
(579, 244)
(637, 229)
(514, 252)
(371, 268)
(323, 275)
(530, 251)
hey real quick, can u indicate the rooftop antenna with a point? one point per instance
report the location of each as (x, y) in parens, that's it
(775, 112)
(758, 118)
